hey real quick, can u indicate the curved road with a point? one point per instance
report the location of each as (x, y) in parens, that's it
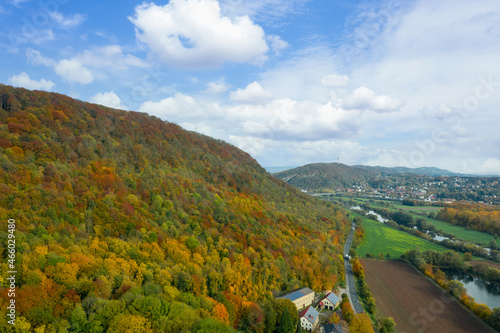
(349, 277)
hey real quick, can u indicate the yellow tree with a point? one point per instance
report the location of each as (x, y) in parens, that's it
(360, 324)
(130, 324)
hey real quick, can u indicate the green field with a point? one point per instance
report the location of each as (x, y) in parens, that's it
(419, 209)
(422, 211)
(460, 232)
(380, 238)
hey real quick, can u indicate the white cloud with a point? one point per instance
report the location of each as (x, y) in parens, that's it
(18, 2)
(435, 60)
(194, 34)
(263, 10)
(299, 76)
(253, 94)
(334, 80)
(26, 35)
(277, 44)
(67, 22)
(72, 70)
(365, 99)
(109, 99)
(107, 58)
(182, 107)
(217, 87)
(279, 120)
(23, 80)
(110, 56)
(291, 120)
(34, 57)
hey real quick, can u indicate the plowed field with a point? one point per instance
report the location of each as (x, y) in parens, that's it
(415, 303)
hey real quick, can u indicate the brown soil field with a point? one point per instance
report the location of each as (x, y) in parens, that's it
(490, 263)
(416, 304)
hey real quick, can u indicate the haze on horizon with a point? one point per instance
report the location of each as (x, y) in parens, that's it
(389, 83)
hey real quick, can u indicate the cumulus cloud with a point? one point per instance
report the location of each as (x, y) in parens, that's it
(194, 34)
(73, 70)
(291, 120)
(334, 80)
(78, 68)
(182, 107)
(23, 80)
(280, 120)
(365, 99)
(109, 99)
(110, 56)
(253, 94)
(217, 87)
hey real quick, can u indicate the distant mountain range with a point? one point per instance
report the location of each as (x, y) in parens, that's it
(424, 171)
(331, 175)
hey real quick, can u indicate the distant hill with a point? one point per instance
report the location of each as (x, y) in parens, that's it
(332, 175)
(325, 175)
(424, 171)
(126, 221)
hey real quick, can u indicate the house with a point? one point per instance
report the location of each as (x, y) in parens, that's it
(301, 298)
(329, 302)
(331, 328)
(309, 318)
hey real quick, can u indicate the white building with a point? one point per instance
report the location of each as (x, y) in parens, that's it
(309, 318)
(301, 298)
(329, 302)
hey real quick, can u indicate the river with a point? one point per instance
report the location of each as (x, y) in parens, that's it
(482, 291)
(379, 217)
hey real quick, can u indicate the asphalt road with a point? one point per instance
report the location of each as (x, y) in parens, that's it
(350, 285)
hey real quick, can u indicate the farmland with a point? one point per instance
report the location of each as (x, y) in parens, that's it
(380, 238)
(415, 303)
(422, 212)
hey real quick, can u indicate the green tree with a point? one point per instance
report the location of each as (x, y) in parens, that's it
(78, 319)
(388, 323)
(286, 323)
(210, 325)
(270, 317)
(494, 319)
(181, 318)
(456, 288)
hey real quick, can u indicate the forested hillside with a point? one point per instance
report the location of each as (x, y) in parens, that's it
(124, 221)
(321, 176)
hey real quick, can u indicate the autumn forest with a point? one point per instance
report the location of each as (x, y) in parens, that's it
(125, 221)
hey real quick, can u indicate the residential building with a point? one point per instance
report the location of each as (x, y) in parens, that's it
(301, 298)
(329, 302)
(309, 318)
(331, 328)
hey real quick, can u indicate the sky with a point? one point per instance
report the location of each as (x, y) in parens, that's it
(392, 83)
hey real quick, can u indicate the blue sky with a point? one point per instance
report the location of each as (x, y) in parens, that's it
(413, 83)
